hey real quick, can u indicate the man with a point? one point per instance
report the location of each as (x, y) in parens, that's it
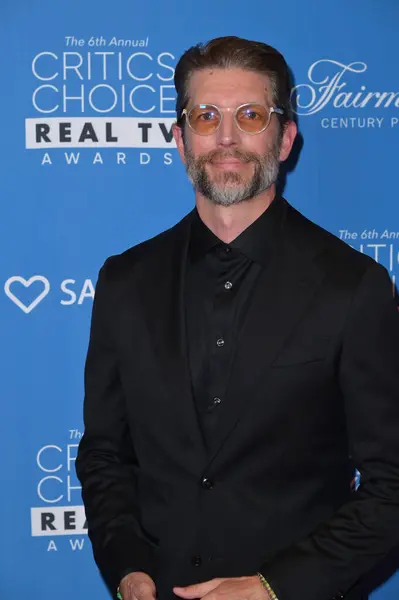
(240, 366)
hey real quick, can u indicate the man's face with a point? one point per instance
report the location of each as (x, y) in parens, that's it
(230, 166)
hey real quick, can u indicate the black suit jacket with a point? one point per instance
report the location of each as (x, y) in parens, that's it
(313, 393)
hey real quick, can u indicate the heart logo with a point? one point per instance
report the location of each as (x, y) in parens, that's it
(27, 283)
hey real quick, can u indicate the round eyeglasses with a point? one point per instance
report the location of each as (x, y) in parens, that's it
(252, 118)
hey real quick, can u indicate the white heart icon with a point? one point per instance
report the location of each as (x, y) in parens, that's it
(27, 283)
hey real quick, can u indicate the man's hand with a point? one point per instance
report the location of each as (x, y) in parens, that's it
(223, 588)
(137, 586)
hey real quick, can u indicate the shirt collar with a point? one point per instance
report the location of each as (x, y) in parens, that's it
(255, 241)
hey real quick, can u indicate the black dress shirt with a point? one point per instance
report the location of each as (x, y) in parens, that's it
(220, 279)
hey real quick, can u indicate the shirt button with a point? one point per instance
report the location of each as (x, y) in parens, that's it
(196, 561)
(207, 483)
(216, 401)
(220, 342)
(228, 285)
(228, 249)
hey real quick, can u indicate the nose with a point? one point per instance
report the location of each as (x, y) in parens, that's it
(228, 133)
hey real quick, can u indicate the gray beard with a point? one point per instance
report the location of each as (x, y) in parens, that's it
(229, 187)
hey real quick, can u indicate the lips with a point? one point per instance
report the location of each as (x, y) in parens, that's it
(227, 162)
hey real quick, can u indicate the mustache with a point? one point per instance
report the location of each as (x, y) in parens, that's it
(219, 155)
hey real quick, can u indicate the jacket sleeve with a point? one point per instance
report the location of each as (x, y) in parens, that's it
(106, 463)
(338, 552)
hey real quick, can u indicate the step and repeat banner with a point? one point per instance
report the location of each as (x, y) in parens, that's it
(89, 168)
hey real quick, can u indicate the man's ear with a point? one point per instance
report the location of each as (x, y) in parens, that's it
(178, 137)
(287, 141)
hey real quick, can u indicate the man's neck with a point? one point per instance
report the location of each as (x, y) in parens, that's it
(227, 222)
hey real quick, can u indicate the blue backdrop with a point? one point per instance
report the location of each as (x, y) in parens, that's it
(88, 169)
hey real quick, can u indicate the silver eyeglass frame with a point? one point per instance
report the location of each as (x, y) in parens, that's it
(272, 110)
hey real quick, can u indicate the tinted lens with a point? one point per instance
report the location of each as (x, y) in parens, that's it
(252, 118)
(204, 119)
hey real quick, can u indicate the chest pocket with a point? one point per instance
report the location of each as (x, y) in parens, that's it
(303, 349)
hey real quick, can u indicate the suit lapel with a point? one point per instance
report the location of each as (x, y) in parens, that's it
(282, 294)
(161, 288)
